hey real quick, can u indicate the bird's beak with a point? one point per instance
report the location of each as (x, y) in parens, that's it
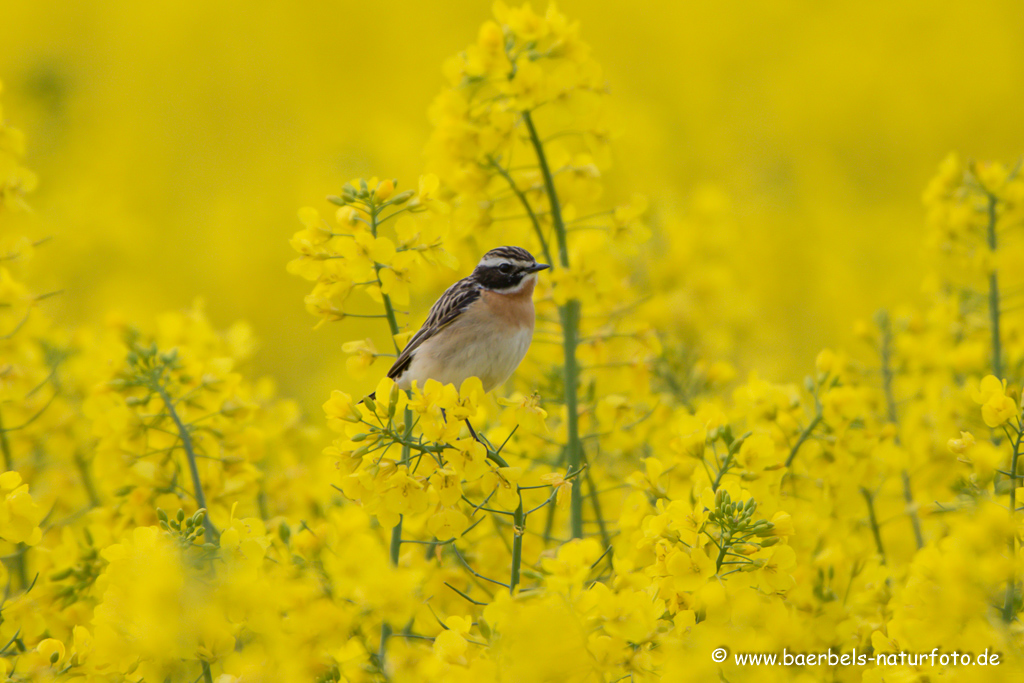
(537, 267)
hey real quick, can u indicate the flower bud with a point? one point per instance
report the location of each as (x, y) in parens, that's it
(383, 190)
(62, 574)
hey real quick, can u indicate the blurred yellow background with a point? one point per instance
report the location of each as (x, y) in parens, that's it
(176, 141)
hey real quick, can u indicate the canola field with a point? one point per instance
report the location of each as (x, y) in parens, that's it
(769, 428)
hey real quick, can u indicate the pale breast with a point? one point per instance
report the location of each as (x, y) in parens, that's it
(488, 341)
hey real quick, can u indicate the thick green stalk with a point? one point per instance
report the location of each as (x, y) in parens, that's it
(569, 314)
(1011, 584)
(997, 370)
(527, 206)
(518, 528)
(890, 400)
(186, 443)
(5, 447)
(875, 530)
(83, 470)
(396, 531)
(595, 503)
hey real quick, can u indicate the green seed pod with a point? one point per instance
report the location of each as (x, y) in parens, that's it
(62, 574)
(181, 515)
(770, 541)
(402, 197)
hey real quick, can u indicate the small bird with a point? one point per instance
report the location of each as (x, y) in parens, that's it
(480, 327)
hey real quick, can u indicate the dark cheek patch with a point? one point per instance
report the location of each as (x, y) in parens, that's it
(492, 278)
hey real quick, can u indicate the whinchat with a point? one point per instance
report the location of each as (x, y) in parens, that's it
(480, 327)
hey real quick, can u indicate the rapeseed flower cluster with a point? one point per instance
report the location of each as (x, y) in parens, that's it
(625, 507)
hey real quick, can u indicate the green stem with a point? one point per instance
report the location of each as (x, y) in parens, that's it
(389, 309)
(915, 521)
(569, 314)
(890, 400)
(396, 531)
(726, 464)
(207, 674)
(804, 435)
(574, 448)
(83, 469)
(734, 447)
(595, 503)
(5, 446)
(385, 633)
(874, 522)
(190, 453)
(518, 529)
(526, 205)
(1011, 584)
(723, 549)
(997, 370)
(518, 526)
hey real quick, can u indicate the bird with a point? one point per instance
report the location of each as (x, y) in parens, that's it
(480, 327)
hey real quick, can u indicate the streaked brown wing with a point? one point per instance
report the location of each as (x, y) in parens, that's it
(446, 309)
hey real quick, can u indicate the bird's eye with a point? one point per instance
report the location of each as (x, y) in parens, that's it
(505, 268)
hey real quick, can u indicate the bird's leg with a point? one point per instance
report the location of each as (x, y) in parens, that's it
(472, 433)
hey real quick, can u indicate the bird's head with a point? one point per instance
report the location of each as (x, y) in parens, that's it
(507, 270)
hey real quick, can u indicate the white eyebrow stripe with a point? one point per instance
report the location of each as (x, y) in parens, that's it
(493, 262)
